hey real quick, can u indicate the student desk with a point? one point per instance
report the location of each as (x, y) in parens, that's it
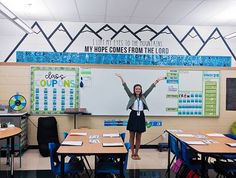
(205, 150)
(92, 148)
(10, 133)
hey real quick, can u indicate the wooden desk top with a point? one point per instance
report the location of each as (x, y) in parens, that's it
(9, 132)
(218, 147)
(92, 148)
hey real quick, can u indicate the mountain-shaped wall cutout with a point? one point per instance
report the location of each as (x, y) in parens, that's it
(36, 27)
(84, 29)
(125, 29)
(146, 32)
(192, 41)
(168, 32)
(215, 36)
(60, 37)
(106, 32)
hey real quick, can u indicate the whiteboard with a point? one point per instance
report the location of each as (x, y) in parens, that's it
(182, 94)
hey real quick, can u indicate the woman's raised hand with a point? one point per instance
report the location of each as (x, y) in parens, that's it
(118, 75)
(159, 79)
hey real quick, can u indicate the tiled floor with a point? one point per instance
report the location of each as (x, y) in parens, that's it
(32, 160)
(153, 164)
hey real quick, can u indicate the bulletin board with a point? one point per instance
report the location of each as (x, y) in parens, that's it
(183, 93)
(53, 89)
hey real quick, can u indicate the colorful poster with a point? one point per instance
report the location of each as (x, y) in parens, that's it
(53, 89)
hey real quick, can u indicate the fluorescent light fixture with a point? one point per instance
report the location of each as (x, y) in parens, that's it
(23, 26)
(16, 20)
(4, 10)
(230, 35)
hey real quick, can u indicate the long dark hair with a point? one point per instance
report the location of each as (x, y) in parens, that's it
(137, 85)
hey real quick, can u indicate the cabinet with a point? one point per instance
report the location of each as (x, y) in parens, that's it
(19, 120)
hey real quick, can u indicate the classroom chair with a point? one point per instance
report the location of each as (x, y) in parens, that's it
(112, 157)
(46, 133)
(81, 157)
(6, 149)
(191, 159)
(226, 157)
(108, 167)
(174, 149)
(69, 167)
(224, 169)
(122, 135)
(230, 135)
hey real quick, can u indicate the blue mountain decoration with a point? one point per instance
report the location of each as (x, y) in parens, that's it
(123, 59)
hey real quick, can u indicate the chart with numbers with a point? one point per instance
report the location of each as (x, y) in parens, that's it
(53, 89)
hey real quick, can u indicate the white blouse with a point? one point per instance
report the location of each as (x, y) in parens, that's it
(138, 105)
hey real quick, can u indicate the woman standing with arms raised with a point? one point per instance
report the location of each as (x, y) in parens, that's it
(137, 104)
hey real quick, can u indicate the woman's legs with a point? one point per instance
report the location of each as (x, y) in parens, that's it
(131, 141)
(138, 142)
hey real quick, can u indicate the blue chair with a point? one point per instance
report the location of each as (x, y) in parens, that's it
(230, 136)
(122, 135)
(191, 159)
(69, 168)
(81, 157)
(111, 157)
(227, 156)
(174, 148)
(108, 167)
(225, 169)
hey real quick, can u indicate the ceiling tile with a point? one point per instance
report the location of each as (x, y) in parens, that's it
(176, 10)
(92, 19)
(117, 19)
(206, 11)
(91, 7)
(62, 10)
(149, 8)
(142, 20)
(121, 8)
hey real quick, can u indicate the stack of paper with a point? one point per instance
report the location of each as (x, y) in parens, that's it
(195, 142)
(112, 144)
(185, 135)
(231, 144)
(111, 135)
(215, 135)
(78, 133)
(72, 143)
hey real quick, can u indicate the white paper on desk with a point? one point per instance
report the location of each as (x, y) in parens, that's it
(111, 135)
(72, 143)
(185, 135)
(195, 142)
(174, 130)
(215, 135)
(78, 133)
(231, 144)
(112, 144)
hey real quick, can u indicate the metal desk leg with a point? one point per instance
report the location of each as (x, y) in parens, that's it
(122, 173)
(74, 121)
(168, 165)
(12, 156)
(62, 166)
(8, 151)
(204, 171)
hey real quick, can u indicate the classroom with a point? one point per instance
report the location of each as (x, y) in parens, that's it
(117, 88)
